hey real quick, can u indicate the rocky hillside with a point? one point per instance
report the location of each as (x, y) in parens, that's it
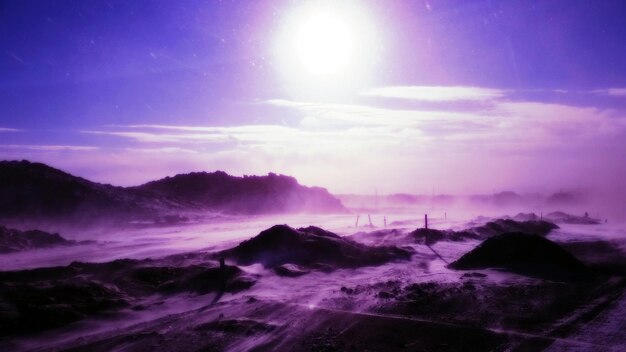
(244, 195)
(31, 191)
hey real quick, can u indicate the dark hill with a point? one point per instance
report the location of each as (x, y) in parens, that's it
(309, 247)
(525, 254)
(244, 195)
(34, 189)
(37, 192)
(31, 191)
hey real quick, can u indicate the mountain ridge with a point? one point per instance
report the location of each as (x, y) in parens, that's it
(36, 190)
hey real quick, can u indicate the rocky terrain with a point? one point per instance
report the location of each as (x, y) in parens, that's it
(40, 299)
(311, 289)
(481, 232)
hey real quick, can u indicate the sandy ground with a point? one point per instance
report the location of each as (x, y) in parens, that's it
(418, 305)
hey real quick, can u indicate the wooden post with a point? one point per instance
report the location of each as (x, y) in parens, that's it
(370, 220)
(426, 221)
(356, 224)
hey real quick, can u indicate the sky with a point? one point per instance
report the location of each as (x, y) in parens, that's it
(355, 96)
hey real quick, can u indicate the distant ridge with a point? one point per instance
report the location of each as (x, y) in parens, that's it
(35, 191)
(243, 195)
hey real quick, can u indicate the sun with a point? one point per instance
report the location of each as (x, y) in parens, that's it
(323, 44)
(326, 48)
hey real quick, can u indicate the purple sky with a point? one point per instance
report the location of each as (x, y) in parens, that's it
(462, 96)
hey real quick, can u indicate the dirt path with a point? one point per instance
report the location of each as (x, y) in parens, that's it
(607, 329)
(272, 325)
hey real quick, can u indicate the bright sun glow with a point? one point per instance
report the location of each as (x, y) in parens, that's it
(327, 48)
(324, 44)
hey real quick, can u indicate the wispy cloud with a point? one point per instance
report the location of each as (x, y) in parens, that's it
(5, 129)
(168, 150)
(254, 137)
(48, 147)
(164, 137)
(348, 127)
(503, 125)
(614, 92)
(436, 93)
(333, 116)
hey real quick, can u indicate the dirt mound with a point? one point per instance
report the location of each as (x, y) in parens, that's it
(15, 240)
(564, 218)
(309, 247)
(525, 254)
(500, 226)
